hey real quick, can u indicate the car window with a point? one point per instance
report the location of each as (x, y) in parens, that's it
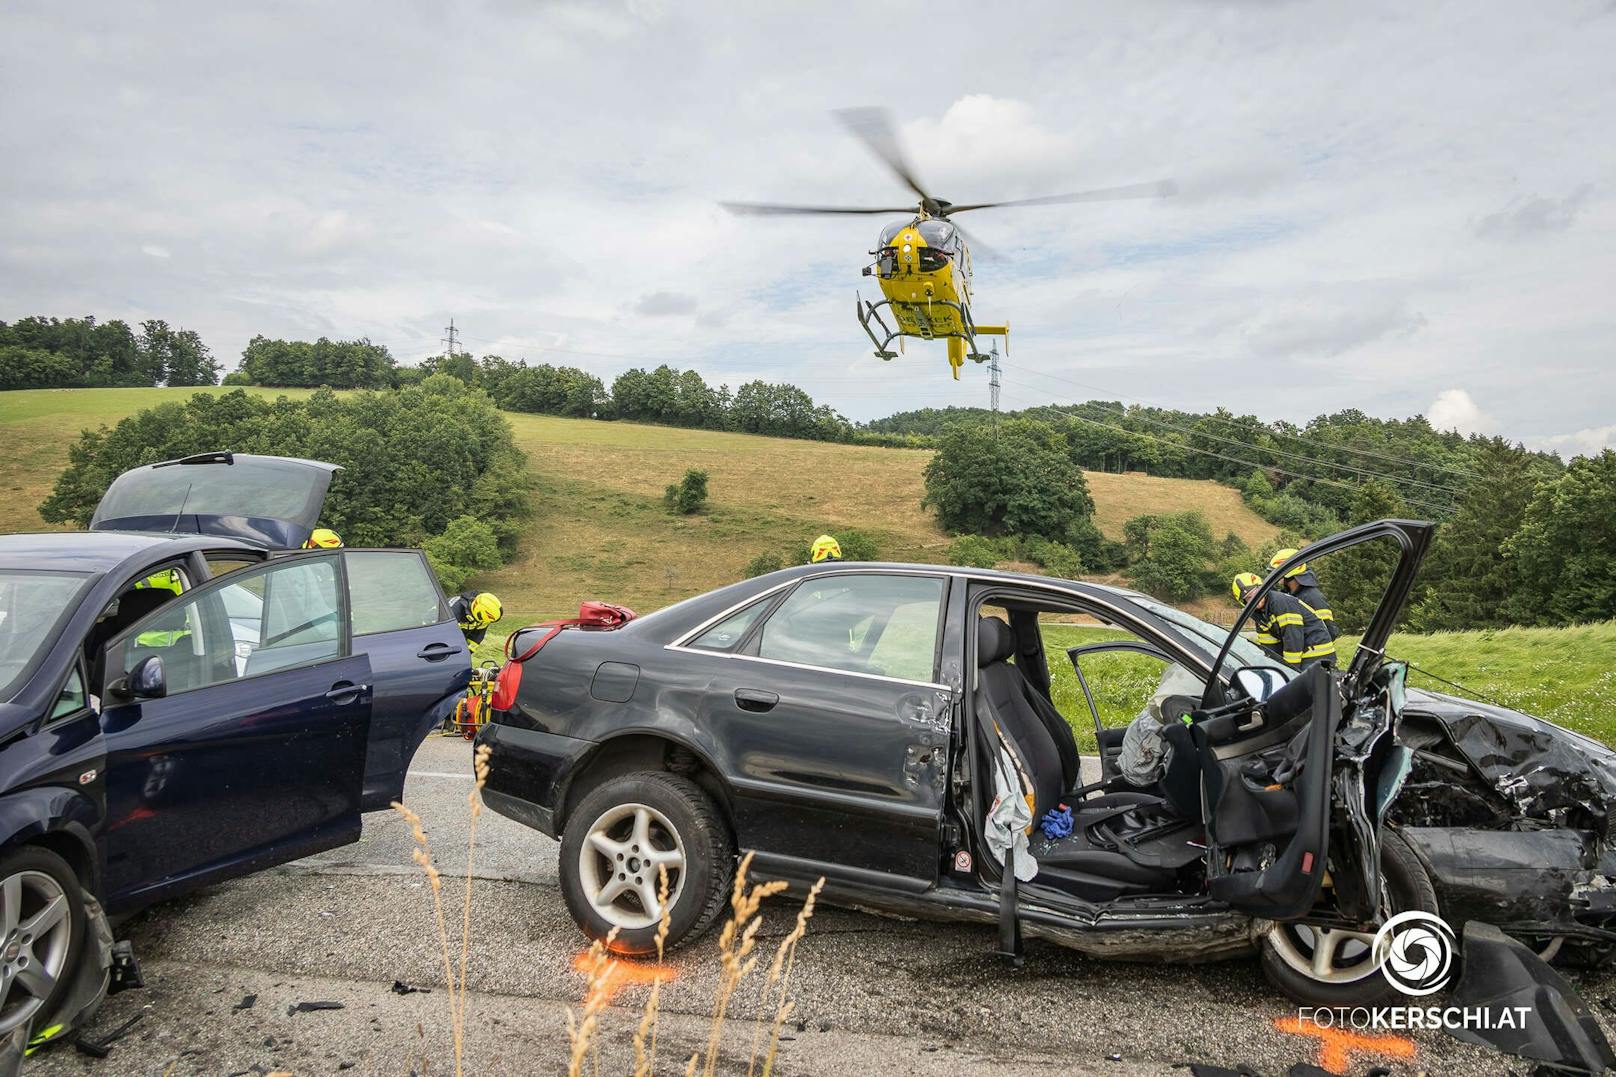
(874, 623)
(33, 605)
(278, 617)
(727, 634)
(224, 564)
(390, 590)
(72, 697)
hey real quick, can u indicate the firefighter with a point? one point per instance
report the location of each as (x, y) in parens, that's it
(323, 538)
(1286, 629)
(475, 610)
(1304, 585)
(825, 548)
(167, 579)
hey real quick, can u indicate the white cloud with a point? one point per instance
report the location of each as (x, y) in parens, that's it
(1347, 175)
(1590, 442)
(1453, 409)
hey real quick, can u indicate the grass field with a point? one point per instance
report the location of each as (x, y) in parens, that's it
(599, 529)
(1564, 675)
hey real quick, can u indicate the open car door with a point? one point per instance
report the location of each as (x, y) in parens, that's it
(274, 501)
(1296, 775)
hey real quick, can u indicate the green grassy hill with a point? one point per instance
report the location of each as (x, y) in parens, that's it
(599, 529)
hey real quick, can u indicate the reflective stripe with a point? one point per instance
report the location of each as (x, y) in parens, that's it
(1288, 619)
(1293, 658)
(1263, 637)
(1323, 650)
(1323, 615)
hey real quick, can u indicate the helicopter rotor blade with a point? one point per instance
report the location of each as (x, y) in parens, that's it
(979, 250)
(1158, 189)
(775, 209)
(873, 127)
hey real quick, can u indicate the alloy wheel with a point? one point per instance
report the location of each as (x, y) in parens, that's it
(1326, 954)
(36, 933)
(621, 861)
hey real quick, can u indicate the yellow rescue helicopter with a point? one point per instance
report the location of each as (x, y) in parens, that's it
(923, 263)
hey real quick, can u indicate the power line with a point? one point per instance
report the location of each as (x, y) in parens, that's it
(1434, 487)
(1389, 457)
(1248, 463)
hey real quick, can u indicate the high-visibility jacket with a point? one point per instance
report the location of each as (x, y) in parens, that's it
(1291, 632)
(1310, 596)
(460, 607)
(165, 580)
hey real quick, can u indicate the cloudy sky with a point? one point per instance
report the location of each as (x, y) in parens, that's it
(1404, 208)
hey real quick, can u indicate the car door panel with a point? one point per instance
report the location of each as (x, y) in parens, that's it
(419, 661)
(842, 769)
(255, 754)
(231, 778)
(1268, 804)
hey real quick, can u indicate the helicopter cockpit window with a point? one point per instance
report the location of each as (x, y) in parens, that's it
(889, 234)
(938, 234)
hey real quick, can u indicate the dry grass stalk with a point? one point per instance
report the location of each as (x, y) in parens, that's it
(778, 980)
(735, 945)
(422, 855)
(581, 1031)
(645, 1062)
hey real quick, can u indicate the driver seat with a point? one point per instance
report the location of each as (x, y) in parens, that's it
(1120, 843)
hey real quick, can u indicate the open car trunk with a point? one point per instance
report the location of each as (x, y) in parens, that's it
(274, 501)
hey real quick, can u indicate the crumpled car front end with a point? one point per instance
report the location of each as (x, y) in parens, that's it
(1513, 818)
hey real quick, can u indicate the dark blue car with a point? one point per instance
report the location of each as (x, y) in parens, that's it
(185, 697)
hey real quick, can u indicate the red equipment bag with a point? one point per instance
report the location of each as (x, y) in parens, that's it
(595, 615)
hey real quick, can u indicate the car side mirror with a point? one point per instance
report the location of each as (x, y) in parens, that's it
(145, 681)
(1258, 682)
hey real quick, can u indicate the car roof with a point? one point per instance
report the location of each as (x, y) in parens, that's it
(101, 551)
(1097, 590)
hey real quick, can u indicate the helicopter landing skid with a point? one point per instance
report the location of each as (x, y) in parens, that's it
(871, 313)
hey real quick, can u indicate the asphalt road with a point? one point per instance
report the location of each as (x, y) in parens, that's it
(873, 995)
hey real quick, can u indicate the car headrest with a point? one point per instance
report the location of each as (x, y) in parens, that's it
(137, 603)
(995, 641)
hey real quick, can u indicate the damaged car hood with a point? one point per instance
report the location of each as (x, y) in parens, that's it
(1546, 772)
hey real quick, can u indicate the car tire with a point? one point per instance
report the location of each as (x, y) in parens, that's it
(609, 881)
(31, 879)
(1354, 980)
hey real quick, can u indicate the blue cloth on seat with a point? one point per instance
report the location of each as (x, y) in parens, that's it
(1056, 823)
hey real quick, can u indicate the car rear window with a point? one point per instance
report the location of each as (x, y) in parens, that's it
(389, 590)
(872, 623)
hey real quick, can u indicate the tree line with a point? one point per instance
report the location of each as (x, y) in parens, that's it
(1526, 539)
(663, 395)
(432, 465)
(79, 353)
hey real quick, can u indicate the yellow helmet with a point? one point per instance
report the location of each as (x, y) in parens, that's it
(1243, 582)
(1285, 555)
(825, 548)
(323, 538)
(485, 609)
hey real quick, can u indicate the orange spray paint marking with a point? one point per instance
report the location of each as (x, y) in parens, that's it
(1338, 1045)
(622, 972)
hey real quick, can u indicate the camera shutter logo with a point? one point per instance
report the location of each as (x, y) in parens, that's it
(1415, 951)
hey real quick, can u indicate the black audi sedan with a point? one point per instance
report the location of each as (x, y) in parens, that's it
(183, 700)
(893, 728)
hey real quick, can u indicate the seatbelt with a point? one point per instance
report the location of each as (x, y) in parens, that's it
(1009, 923)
